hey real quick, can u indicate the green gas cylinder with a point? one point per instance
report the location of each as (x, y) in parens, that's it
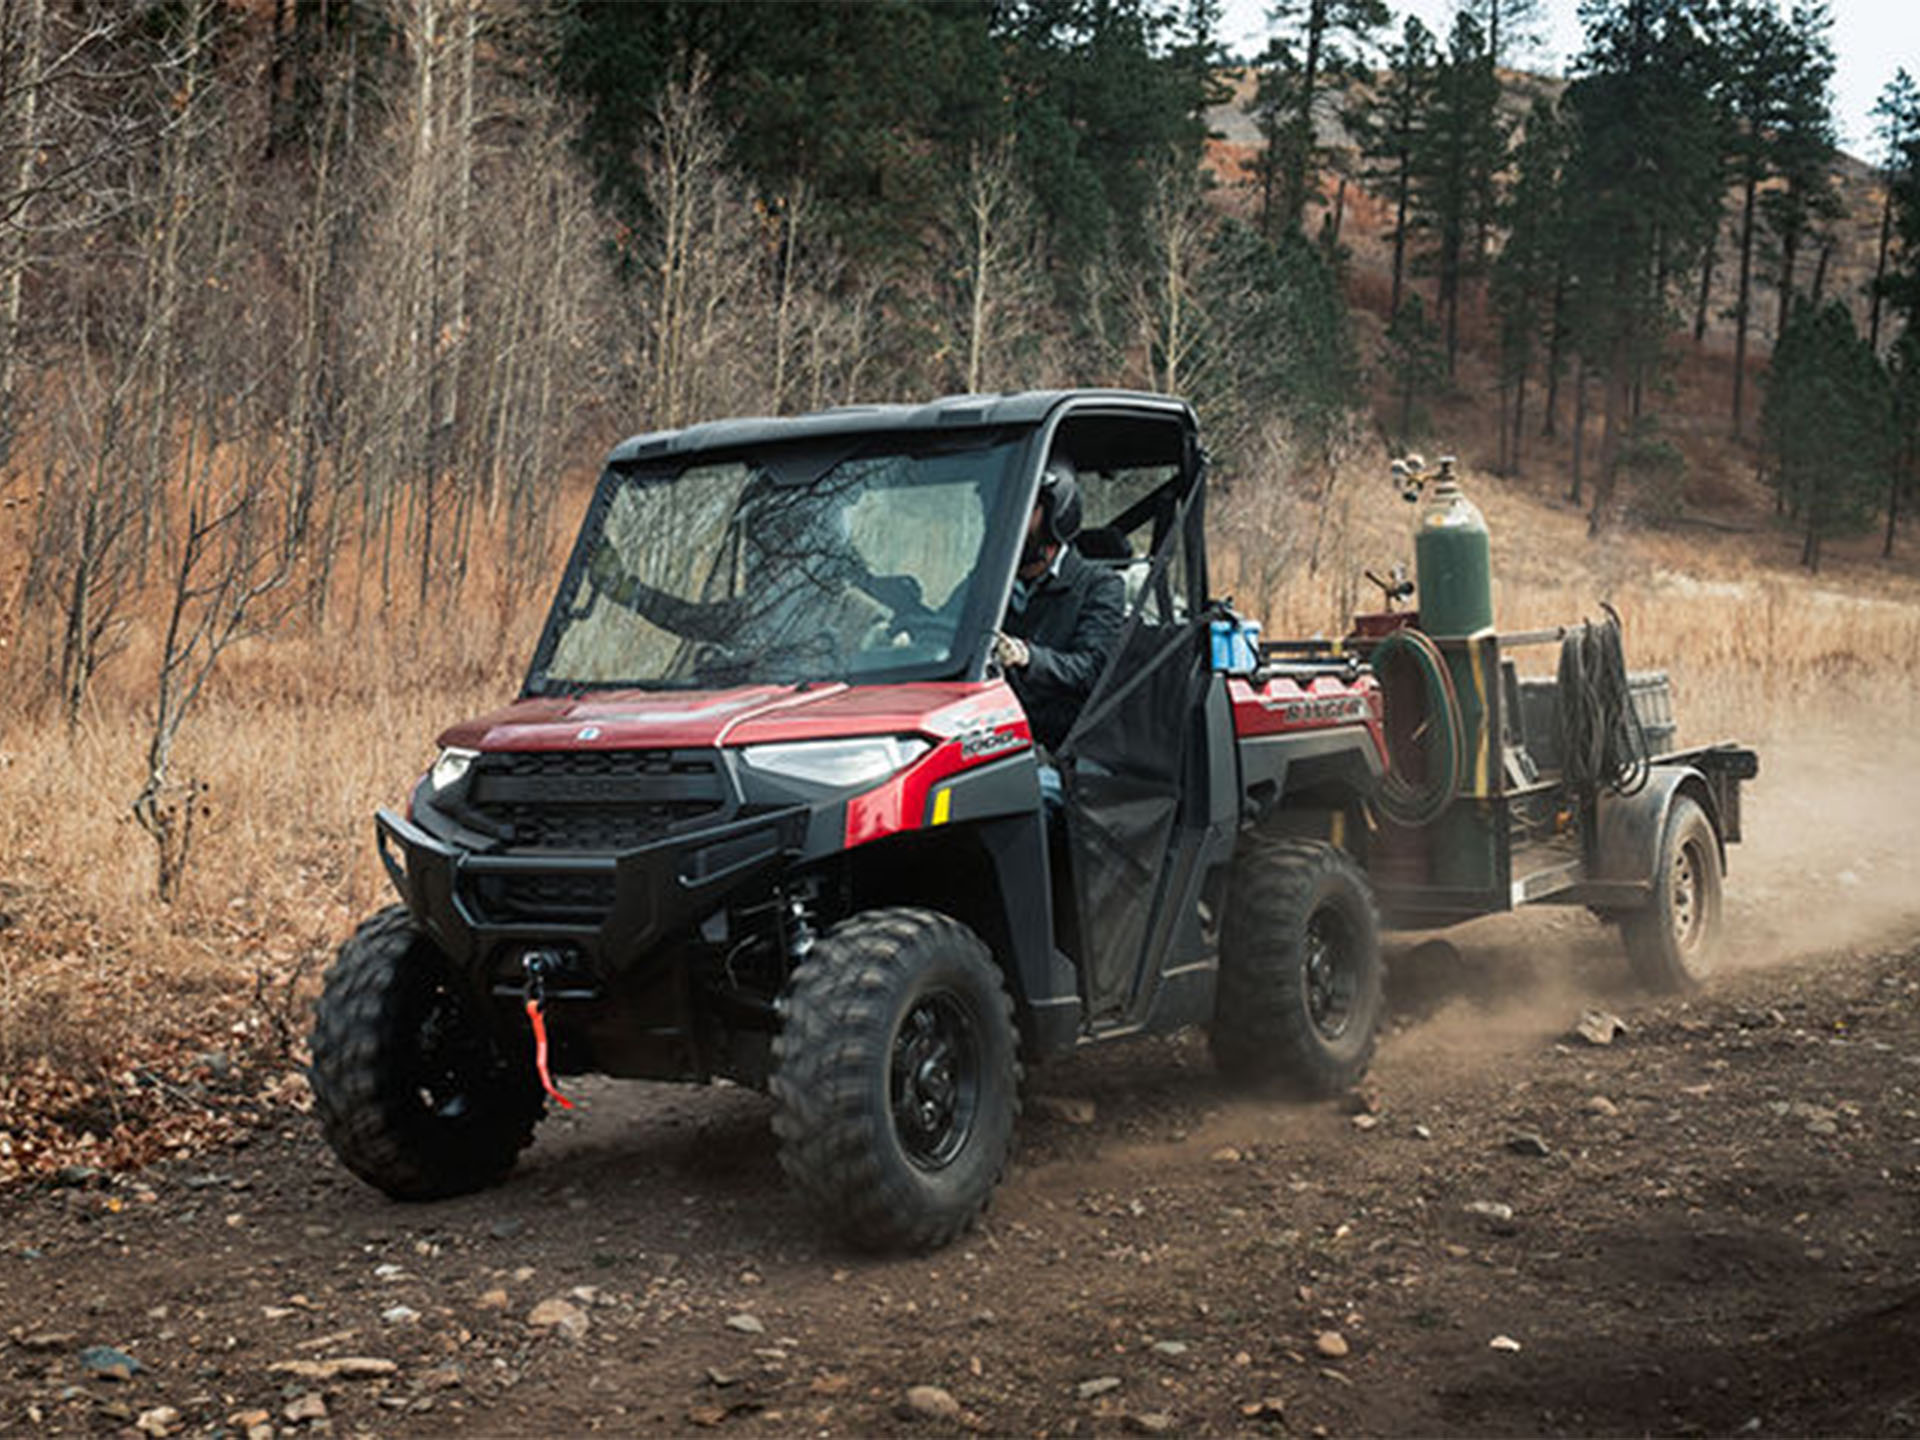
(1453, 560)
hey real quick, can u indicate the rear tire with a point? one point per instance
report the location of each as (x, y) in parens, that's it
(1300, 992)
(1672, 943)
(412, 1091)
(896, 1079)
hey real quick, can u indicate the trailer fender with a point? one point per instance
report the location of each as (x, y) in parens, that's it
(1628, 828)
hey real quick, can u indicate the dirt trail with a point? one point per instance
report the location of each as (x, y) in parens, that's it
(1708, 1225)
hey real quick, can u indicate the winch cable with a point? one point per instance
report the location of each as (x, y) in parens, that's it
(1604, 741)
(1440, 732)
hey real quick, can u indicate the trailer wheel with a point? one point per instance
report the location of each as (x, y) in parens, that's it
(896, 1079)
(412, 1091)
(1300, 992)
(1672, 942)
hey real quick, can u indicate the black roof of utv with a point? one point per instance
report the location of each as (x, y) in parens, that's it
(1028, 408)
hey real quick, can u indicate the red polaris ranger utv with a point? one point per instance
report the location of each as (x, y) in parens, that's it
(767, 809)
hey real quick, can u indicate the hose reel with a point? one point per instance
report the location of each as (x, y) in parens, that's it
(1428, 755)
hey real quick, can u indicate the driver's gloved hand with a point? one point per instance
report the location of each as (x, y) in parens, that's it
(1010, 651)
(604, 571)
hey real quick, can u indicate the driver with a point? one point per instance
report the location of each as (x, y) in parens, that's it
(1064, 616)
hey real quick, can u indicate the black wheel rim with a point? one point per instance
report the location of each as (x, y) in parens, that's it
(452, 1064)
(1332, 974)
(935, 1080)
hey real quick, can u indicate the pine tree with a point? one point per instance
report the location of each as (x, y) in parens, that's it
(1802, 151)
(1320, 47)
(1389, 127)
(1509, 25)
(1643, 194)
(1527, 273)
(1413, 361)
(1828, 426)
(1459, 150)
(1763, 60)
(1903, 371)
(1898, 114)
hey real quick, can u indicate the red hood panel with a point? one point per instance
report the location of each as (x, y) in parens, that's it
(747, 715)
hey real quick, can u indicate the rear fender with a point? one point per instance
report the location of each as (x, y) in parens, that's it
(1628, 827)
(1334, 766)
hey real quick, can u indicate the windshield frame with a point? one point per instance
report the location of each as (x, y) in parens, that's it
(977, 619)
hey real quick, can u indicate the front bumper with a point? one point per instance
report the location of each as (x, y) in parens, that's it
(651, 891)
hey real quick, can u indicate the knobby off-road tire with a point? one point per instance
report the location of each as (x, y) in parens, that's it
(896, 1079)
(1300, 991)
(412, 1092)
(1672, 943)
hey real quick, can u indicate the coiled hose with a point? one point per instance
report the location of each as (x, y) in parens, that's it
(1603, 741)
(1439, 732)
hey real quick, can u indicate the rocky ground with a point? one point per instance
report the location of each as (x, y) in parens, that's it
(1706, 1225)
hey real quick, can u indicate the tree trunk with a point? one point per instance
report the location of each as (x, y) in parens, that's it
(1401, 202)
(1706, 286)
(1880, 274)
(1300, 162)
(1519, 418)
(1556, 351)
(1743, 301)
(1579, 423)
(1820, 269)
(22, 120)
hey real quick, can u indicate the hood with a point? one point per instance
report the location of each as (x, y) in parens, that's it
(745, 715)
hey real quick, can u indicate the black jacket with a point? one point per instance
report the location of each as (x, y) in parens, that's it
(1071, 622)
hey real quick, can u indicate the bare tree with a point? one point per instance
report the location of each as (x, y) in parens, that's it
(1167, 301)
(233, 554)
(994, 271)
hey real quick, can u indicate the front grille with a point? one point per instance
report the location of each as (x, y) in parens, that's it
(532, 899)
(593, 801)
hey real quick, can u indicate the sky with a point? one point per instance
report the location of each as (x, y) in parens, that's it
(1871, 39)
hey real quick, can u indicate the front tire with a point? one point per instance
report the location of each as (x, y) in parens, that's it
(1672, 943)
(1300, 991)
(896, 1079)
(412, 1091)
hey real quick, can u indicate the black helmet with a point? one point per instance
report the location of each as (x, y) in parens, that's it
(1060, 500)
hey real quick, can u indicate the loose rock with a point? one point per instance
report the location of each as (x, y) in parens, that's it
(1599, 1105)
(747, 1324)
(1599, 1027)
(1332, 1344)
(930, 1402)
(1505, 1343)
(560, 1316)
(1525, 1142)
(345, 1367)
(308, 1406)
(1100, 1385)
(157, 1422)
(1153, 1422)
(104, 1362)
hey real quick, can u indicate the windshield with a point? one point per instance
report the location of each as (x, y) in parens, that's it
(855, 561)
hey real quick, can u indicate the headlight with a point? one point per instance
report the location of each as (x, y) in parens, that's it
(840, 763)
(450, 768)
